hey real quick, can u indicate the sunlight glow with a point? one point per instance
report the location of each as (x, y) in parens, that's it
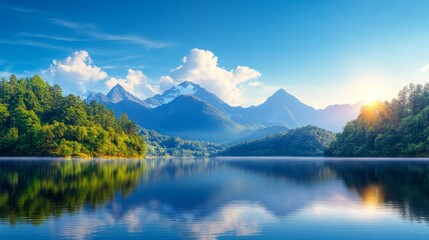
(371, 88)
(350, 211)
(373, 196)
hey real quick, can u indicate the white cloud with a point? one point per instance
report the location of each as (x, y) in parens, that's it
(24, 10)
(166, 82)
(138, 40)
(254, 84)
(5, 74)
(33, 44)
(48, 36)
(67, 24)
(135, 82)
(75, 73)
(201, 67)
(255, 93)
(78, 75)
(93, 32)
(425, 68)
(239, 219)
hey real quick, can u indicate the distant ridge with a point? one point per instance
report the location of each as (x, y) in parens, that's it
(115, 95)
(191, 112)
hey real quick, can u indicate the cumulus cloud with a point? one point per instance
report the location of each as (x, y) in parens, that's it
(75, 73)
(135, 82)
(166, 82)
(201, 67)
(78, 75)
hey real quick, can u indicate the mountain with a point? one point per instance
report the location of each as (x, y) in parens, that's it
(334, 117)
(191, 112)
(304, 141)
(189, 88)
(138, 113)
(116, 95)
(259, 134)
(98, 97)
(169, 95)
(175, 112)
(281, 108)
(192, 118)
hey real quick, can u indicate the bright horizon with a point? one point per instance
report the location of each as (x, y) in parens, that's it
(321, 52)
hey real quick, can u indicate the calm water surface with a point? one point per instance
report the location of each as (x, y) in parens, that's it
(246, 198)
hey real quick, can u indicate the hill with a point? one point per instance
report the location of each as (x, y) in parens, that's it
(388, 129)
(37, 120)
(162, 145)
(304, 141)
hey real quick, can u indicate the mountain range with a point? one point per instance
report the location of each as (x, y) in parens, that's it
(191, 112)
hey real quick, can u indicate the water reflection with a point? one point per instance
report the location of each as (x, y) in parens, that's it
(34, 190)
(403, 185)
(206, 199)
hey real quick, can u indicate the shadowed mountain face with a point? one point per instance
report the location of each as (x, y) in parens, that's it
(192, 118)
(191, 112)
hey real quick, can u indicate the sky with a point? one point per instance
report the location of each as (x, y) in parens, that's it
(322, 52)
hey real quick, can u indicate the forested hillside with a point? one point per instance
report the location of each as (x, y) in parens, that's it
(37, 120)
(162, 145)
(304, 141)
(388, 129)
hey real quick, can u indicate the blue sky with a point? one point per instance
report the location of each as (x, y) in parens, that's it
(323, 52)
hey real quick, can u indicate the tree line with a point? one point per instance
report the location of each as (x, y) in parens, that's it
(304, 141)
(162, 145)
(388, 129)
(37, 120)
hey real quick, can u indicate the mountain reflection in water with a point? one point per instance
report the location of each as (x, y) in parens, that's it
(214, 198)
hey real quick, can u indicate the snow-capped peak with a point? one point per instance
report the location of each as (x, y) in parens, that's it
(185, 88)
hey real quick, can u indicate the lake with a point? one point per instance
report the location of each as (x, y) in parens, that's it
(223, 198)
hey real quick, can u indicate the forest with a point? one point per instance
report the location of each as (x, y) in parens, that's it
(388, 129)
(304, 141)
(37, 120)
(162, 145)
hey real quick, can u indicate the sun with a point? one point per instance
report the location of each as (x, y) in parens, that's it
(371, 88)
(370, 96)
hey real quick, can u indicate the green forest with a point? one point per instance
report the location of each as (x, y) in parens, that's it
(162, 145)
(37, 120)
(388, 129)
(304, 141)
